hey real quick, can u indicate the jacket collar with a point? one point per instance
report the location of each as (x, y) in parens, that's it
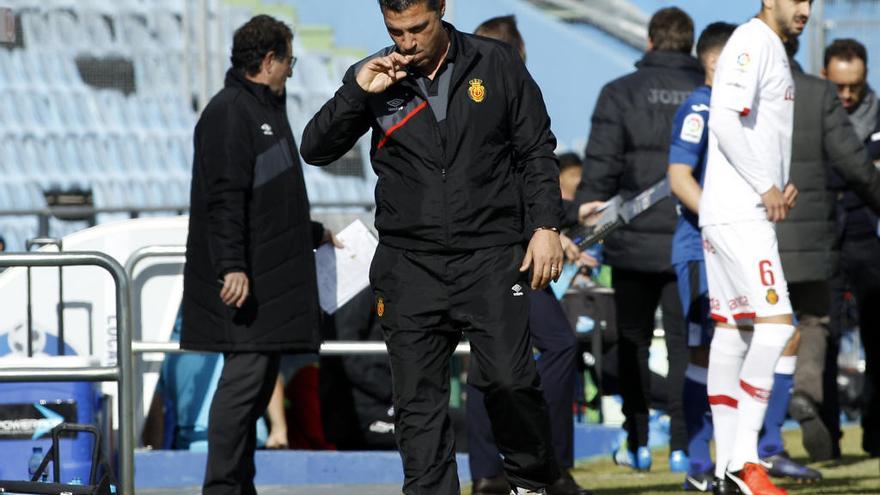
(263, 94)
(670, 60)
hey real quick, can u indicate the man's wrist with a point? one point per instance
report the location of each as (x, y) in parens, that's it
(543, 227)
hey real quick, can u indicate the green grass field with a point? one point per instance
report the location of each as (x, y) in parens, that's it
(853, 474)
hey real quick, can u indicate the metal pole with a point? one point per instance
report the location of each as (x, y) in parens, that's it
(817, 44)
(122, 372)
(203, 54)
(334, 348)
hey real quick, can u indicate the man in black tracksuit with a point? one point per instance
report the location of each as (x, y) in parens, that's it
(627, 153)
(249, 285)
(462, 146)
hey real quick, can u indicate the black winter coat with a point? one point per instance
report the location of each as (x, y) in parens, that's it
(250, 213)
(465, 192)
(628, 151)
(823, 142)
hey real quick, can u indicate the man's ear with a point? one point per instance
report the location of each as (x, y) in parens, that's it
(266, 63)
(442, 8)
(823, 73)
(650, 47)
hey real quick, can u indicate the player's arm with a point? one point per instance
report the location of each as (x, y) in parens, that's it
(684, 186)
(686, 151)
(335, 129)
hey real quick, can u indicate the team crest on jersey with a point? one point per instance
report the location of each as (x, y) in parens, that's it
(744, 59)
(477, 91)
(772, 296)
(380, 307)
(692, 128)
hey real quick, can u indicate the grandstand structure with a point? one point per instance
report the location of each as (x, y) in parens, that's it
(102, 96)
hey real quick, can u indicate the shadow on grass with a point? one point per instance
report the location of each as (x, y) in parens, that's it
(835, 486)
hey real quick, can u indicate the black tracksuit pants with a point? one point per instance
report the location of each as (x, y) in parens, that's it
(860, 260)
(242, 396)
(636, 296)
(553, 337)
(426, 300)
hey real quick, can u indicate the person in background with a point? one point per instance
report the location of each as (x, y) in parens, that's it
(845, 66)
(626, 153)
(555, 341)
(249, 282)
(570, 173)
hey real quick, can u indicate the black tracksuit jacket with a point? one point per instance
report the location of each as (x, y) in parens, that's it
(470, 190)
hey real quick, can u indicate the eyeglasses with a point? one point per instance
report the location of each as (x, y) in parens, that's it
(292, 61)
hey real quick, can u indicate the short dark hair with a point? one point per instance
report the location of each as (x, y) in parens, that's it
(502, 28)
(846, 49)
(401, 5)
(714, 37)
(569, 160)
(671, 30)
(257, 37)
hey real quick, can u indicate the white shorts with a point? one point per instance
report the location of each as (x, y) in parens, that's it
(744, 272)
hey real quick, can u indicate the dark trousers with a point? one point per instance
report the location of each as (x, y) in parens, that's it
(860, 260)
(811, 302)
(636, 296)
(242, 396)
(425, 301)
(553, 337)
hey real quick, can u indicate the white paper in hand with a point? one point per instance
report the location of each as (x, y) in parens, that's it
(343, 273)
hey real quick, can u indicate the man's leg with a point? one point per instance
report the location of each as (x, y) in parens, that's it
(490, 300)
(412, 307)
(636, 295)
(420, 373)
(677, 356)
(863, 270)
(242, 395)
(483, 456)
(693, 293)
(555, 340)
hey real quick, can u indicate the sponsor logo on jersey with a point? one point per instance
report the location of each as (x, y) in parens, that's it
(380, 307)
(702, 107)
(738, 302)
(772, 296)
(692, 128)
(395, 104)
(477, 91)
(667, 96)
(517, 290)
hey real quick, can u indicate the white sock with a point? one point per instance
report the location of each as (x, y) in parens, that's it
(696, 373)
(786, 365)
(726, 356)
(756, 380)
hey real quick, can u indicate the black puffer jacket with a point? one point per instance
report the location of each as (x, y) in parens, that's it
(249, 212)
(824, 142)
(628, 151)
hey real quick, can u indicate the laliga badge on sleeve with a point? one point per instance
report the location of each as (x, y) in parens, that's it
(477, 91)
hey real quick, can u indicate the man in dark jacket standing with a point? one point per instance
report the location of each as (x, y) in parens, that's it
(462, 146)
(824, 142)
(627, 153)
(249, 282)
(846, 62)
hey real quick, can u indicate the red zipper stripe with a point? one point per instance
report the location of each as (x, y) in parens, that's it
(400, 124)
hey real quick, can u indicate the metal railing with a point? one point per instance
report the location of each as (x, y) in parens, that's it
(334, 348)
(120, 373)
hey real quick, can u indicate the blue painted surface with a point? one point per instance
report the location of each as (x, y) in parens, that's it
(180, 468)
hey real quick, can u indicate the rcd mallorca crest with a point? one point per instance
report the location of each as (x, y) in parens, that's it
(477, 91)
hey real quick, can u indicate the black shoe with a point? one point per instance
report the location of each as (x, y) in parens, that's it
(566, 485)
(816, 437)
(781, 466)
(724, 487)
(703, 482)
(491, 486)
